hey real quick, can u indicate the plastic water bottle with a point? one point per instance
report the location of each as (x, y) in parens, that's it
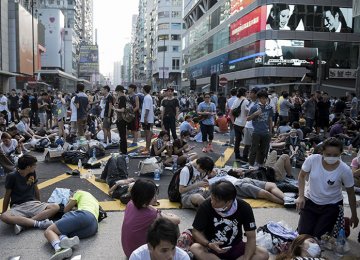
(222, 157)
(79, 165)
(175, 166)
(340, 248)
(2, 172)
(127, 160)
(59, 148)
(294, 162)
(94, 154)
(157, 175)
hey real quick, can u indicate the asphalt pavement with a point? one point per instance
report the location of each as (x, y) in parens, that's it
(31, 244)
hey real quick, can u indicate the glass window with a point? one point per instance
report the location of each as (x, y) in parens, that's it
(163, 37)
(163, 26)
(162, 48)
(175, 48)
(176, 63)
(176, 2)
(175, 14)
(176, 26)
(164, 14)
(175, 37)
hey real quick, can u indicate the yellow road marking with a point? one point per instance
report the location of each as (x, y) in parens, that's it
(53, 181)
(118, 206)
(222, 160)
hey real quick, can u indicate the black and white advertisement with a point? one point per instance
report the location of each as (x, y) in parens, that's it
(309, 18)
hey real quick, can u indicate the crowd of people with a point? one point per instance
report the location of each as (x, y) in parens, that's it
(277, 132)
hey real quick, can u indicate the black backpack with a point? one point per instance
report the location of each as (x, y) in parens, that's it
(173, 189)
(237, 110)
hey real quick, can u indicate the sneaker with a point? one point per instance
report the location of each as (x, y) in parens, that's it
(44, 224)
(98, 179)
(18, 229)
(133, 145)
(210, 148)
(289, 203)
(204, 150)
(70, 242)
(252, 168)
(62, 254)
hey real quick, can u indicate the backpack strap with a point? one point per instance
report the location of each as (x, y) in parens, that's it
(191, 172)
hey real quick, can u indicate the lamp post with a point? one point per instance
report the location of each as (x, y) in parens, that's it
(163, 72)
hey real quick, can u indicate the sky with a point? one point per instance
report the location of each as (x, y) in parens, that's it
(112, 19)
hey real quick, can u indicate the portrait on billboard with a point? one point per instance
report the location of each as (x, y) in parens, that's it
(283, 52)
(334, 20)
(278, 17)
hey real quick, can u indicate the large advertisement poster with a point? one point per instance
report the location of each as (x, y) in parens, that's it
(89, 59)
(251, 23)
(309, 18)
(53, 20)
(25, 41)
(356, 8)
(238, 5)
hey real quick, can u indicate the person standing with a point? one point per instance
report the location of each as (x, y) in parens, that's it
(60, 103)
(229, 105)
(81, 102)
(42, 110)
(309, 107)
(147, 117)
(73, 118)
(108, 114)
(14, 106)
(169, 112)
(285, 106)
(221, 103)
(354, 106)
(25, 102)
(207, 111)
(261, 116)
(120, 122)
(34, 112)
(239, 121)
(4, 109)
(133, 126)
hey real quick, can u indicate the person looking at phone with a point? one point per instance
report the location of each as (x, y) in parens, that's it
(218, 225)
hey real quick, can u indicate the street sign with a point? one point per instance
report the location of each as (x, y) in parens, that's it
(223, 81)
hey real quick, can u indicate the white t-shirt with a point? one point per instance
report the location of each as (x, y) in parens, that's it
(142, 253)
(148, 104)
(9, 149)
(325, 187)
(249, 123)
(241, 119)
(4, 99)
(22, 127)
(73, 108)
(184, 179)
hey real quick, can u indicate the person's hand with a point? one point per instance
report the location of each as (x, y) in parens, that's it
(354, 221)
(258, 112)
(215, 246)
(203, 184)
(300, 203)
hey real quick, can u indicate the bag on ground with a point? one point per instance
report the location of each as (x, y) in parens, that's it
(149, 165)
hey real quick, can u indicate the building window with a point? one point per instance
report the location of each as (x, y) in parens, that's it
(176, 63)
(175, 48)
(51, 2)
(70, 2)
(163, 26)
(175, 14)
(164, 14)
(163, 37)
(176, 26)
(176, 2)
(162, 48)
(175, 37)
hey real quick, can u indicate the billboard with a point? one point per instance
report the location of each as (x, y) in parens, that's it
(25, 42)
(53, 20)
(356, 8)
(251, 23)
(238, 5)
(309, 18)
(89, 59)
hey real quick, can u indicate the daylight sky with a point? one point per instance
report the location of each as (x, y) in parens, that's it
(112, 19)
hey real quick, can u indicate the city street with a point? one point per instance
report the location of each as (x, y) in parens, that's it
(31, 244)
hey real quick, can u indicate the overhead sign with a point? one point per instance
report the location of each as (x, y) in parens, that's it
(223, 81)
(342, 73)
(238, 5)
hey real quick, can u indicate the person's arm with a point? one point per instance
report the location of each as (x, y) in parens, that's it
(253, 114)
(184, 189)
(300, 201)
(6, 200)
(37, 192)
(354, 221)
(250, 245)
(76, 102)
(158, 151)
(137, 104)
(355, 171)
(111, 105)
(172, 217)
(72, 203)
(200, 238)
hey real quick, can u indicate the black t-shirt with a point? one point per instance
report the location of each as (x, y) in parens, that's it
(227, 230)
(25, 102)
(121, 104)
(108, 100)
(13, 102)
(170, 106)
(339, 106)
(22, 188)
(179, 144)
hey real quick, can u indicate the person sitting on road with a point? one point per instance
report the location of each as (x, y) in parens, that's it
(139, 215)
(24, 129)
(283, 128)
(221, 123)
(218, 225)
(282, 166)
(82, 222)
(161, 239)
(181, 147)
(187, 126)
(193, 190)
(303, 247)
(9, 145)
(163, 145)
(23, 194)
(251, 188)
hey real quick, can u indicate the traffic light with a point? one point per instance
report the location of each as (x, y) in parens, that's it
(312, 66)
(214, 82)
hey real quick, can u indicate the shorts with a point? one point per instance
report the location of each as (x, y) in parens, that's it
(247, 140)
(236, 250)
(79, 223)
(28, 209)
(73, 127)
(249, 188)
(134, 125)
(146, 126)
(107, 123)
(42, 118)
(186, 199)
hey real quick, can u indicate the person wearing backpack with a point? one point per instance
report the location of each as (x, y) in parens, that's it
(120, 122)
(238, 113)
(193, 187)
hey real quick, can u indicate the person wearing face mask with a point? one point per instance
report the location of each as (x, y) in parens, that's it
(218, 225)
(321, 200)
(303, 247)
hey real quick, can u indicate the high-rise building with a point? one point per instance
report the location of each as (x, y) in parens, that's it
(139, 45)
(117, 73)
(126, 68)
(262, 43)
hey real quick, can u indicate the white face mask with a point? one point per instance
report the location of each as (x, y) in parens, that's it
(221, 210)
(314, 250)
(331, 160)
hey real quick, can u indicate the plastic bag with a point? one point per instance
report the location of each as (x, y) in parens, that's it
(264, 240)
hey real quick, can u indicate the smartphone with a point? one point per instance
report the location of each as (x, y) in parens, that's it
(226, 248)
